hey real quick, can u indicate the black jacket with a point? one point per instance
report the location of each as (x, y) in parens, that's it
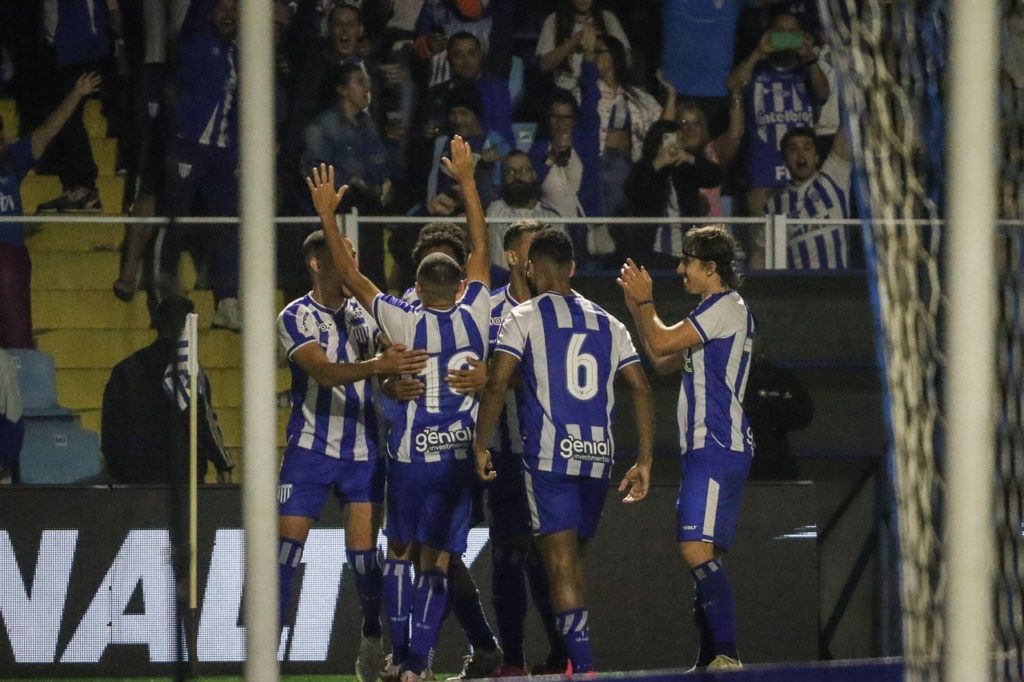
(647, 189)
(144, 434)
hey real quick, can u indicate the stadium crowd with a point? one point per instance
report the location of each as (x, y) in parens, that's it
(575, 107)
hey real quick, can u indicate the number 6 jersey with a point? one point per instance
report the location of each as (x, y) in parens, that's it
(570, 350)
(440, 423)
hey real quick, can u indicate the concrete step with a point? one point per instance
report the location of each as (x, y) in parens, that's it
(9, 112)
(104, 154)
(229, 418)
(82, 388)
(98, 309)
(58, 236)
(74, 271)
(38, 189)
(92, 117)
(103, 348)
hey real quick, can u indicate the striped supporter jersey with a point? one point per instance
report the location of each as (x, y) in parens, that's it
(710, 410)
(825, 195)
(507, 439)
(335, 421)
(570, 350)
(440, 423)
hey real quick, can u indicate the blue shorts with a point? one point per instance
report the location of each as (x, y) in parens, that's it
(559, 502)
(430, 503)
(506, 496)
(709, 496)
(306, 477)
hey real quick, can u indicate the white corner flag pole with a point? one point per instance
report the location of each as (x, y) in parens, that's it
(192, 333)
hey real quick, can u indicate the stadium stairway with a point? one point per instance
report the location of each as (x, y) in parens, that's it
(78, 320)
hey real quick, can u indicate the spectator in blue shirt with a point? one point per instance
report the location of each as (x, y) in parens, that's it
(16, 160)
(203, 160)
(347, 137)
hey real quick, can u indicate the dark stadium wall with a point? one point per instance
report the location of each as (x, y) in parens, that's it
(86, 586)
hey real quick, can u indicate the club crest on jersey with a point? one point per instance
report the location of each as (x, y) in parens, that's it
(584, 450)
(284, 492)
(435, 441)
(184, 170)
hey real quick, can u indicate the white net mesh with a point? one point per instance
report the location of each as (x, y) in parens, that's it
(879, 52)
(890, 58)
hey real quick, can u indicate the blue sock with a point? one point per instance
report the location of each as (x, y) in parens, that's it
(706, 651)
(398, 596)
(289, 554)
(465, 603)
(368, 585)
(719, 605)
(541, 593)
(508, 587)
(428, 612)
(576, 634)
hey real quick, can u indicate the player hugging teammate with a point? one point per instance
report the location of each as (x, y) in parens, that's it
(535, 424)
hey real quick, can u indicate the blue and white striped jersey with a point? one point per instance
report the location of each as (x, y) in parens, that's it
(710, 409)
(440, 423)
(337, 421)
(825, 195)
(570, 351)
(507, 439)
(411, 297)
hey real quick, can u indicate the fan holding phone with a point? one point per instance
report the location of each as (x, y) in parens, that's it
(782, 86)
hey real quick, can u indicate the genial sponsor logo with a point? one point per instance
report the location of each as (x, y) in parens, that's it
(434, 441)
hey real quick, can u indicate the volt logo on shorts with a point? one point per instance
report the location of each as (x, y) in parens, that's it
(584, 450)
(434, 441)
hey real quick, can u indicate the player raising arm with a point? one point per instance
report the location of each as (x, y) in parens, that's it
(712, 348)
(569, 352)
(428, 495)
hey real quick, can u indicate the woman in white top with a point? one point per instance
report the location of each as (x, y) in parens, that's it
(559, 44)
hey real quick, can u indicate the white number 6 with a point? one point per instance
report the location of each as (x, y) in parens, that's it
(577, 364)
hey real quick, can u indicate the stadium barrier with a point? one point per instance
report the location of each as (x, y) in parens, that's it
(87, 585)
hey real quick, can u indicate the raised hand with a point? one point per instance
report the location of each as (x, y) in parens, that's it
(397, 360)
(460, 162)
(88, 83)
(635, 282)
(321, 189)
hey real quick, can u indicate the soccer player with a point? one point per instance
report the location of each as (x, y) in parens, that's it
(332, 434)
(569, 352)
(711, 347)
(428, 498)
(486, 655)
(513, 552)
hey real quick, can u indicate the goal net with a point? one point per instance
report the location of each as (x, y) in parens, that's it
(890, 55)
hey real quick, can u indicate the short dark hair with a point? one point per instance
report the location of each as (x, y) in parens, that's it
(169, 316)
(514, 233)
(463, 35)
(563, 96)
(439, 275)
(342, 75)
(553, 246)
(713, 243)
(797, 132)
(315, 244)
(342, 4)
(438, 234)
